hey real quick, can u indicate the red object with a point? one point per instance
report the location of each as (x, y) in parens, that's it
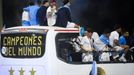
(22, 29)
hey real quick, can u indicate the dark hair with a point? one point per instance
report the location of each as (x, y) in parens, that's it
(117, 26)
(89, 30)
(31, 3)
(106, 31)
(65, 1)
(44, 1)
(38, 2)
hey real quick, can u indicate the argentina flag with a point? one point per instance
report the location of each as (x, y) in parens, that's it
(81, 31)
(94, 68)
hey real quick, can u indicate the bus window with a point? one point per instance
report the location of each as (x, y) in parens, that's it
(65, 49)
(23, 45)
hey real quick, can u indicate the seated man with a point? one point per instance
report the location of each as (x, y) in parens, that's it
(87, 46)
(102, 44)
(122, 40)
(113, 39)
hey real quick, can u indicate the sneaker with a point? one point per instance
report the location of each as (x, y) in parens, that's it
(122, 58)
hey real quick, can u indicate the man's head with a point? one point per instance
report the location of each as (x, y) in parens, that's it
(31, 3)
(89, 32)
(65, 1)
(85, 33)
(53, 4)
(126, 34)
(118, 28)
(45, 3)
(107, 32)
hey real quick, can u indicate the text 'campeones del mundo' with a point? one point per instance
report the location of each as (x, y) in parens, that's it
(23, 45)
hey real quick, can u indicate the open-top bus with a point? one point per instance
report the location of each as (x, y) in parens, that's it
(39, 50)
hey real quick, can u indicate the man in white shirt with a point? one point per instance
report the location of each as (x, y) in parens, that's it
(113, 40)
(87, 46)
(114, 36)
(102, 44)
(51, 14)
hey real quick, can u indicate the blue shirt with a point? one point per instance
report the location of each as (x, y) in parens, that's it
(32, 14)
(25, 22)
(41, 16)
(122, 40)
(104, 39)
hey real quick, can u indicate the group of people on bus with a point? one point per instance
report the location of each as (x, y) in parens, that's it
(44, 13)
(110, 46)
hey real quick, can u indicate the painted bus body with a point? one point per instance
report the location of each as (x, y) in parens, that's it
(48, 63)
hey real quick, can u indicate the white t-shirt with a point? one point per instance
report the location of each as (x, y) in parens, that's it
(87, 42)
(51, 16)
(113, 36)
(25, 16)
(95, 36)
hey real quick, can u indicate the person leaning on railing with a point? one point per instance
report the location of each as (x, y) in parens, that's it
(87, 46)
